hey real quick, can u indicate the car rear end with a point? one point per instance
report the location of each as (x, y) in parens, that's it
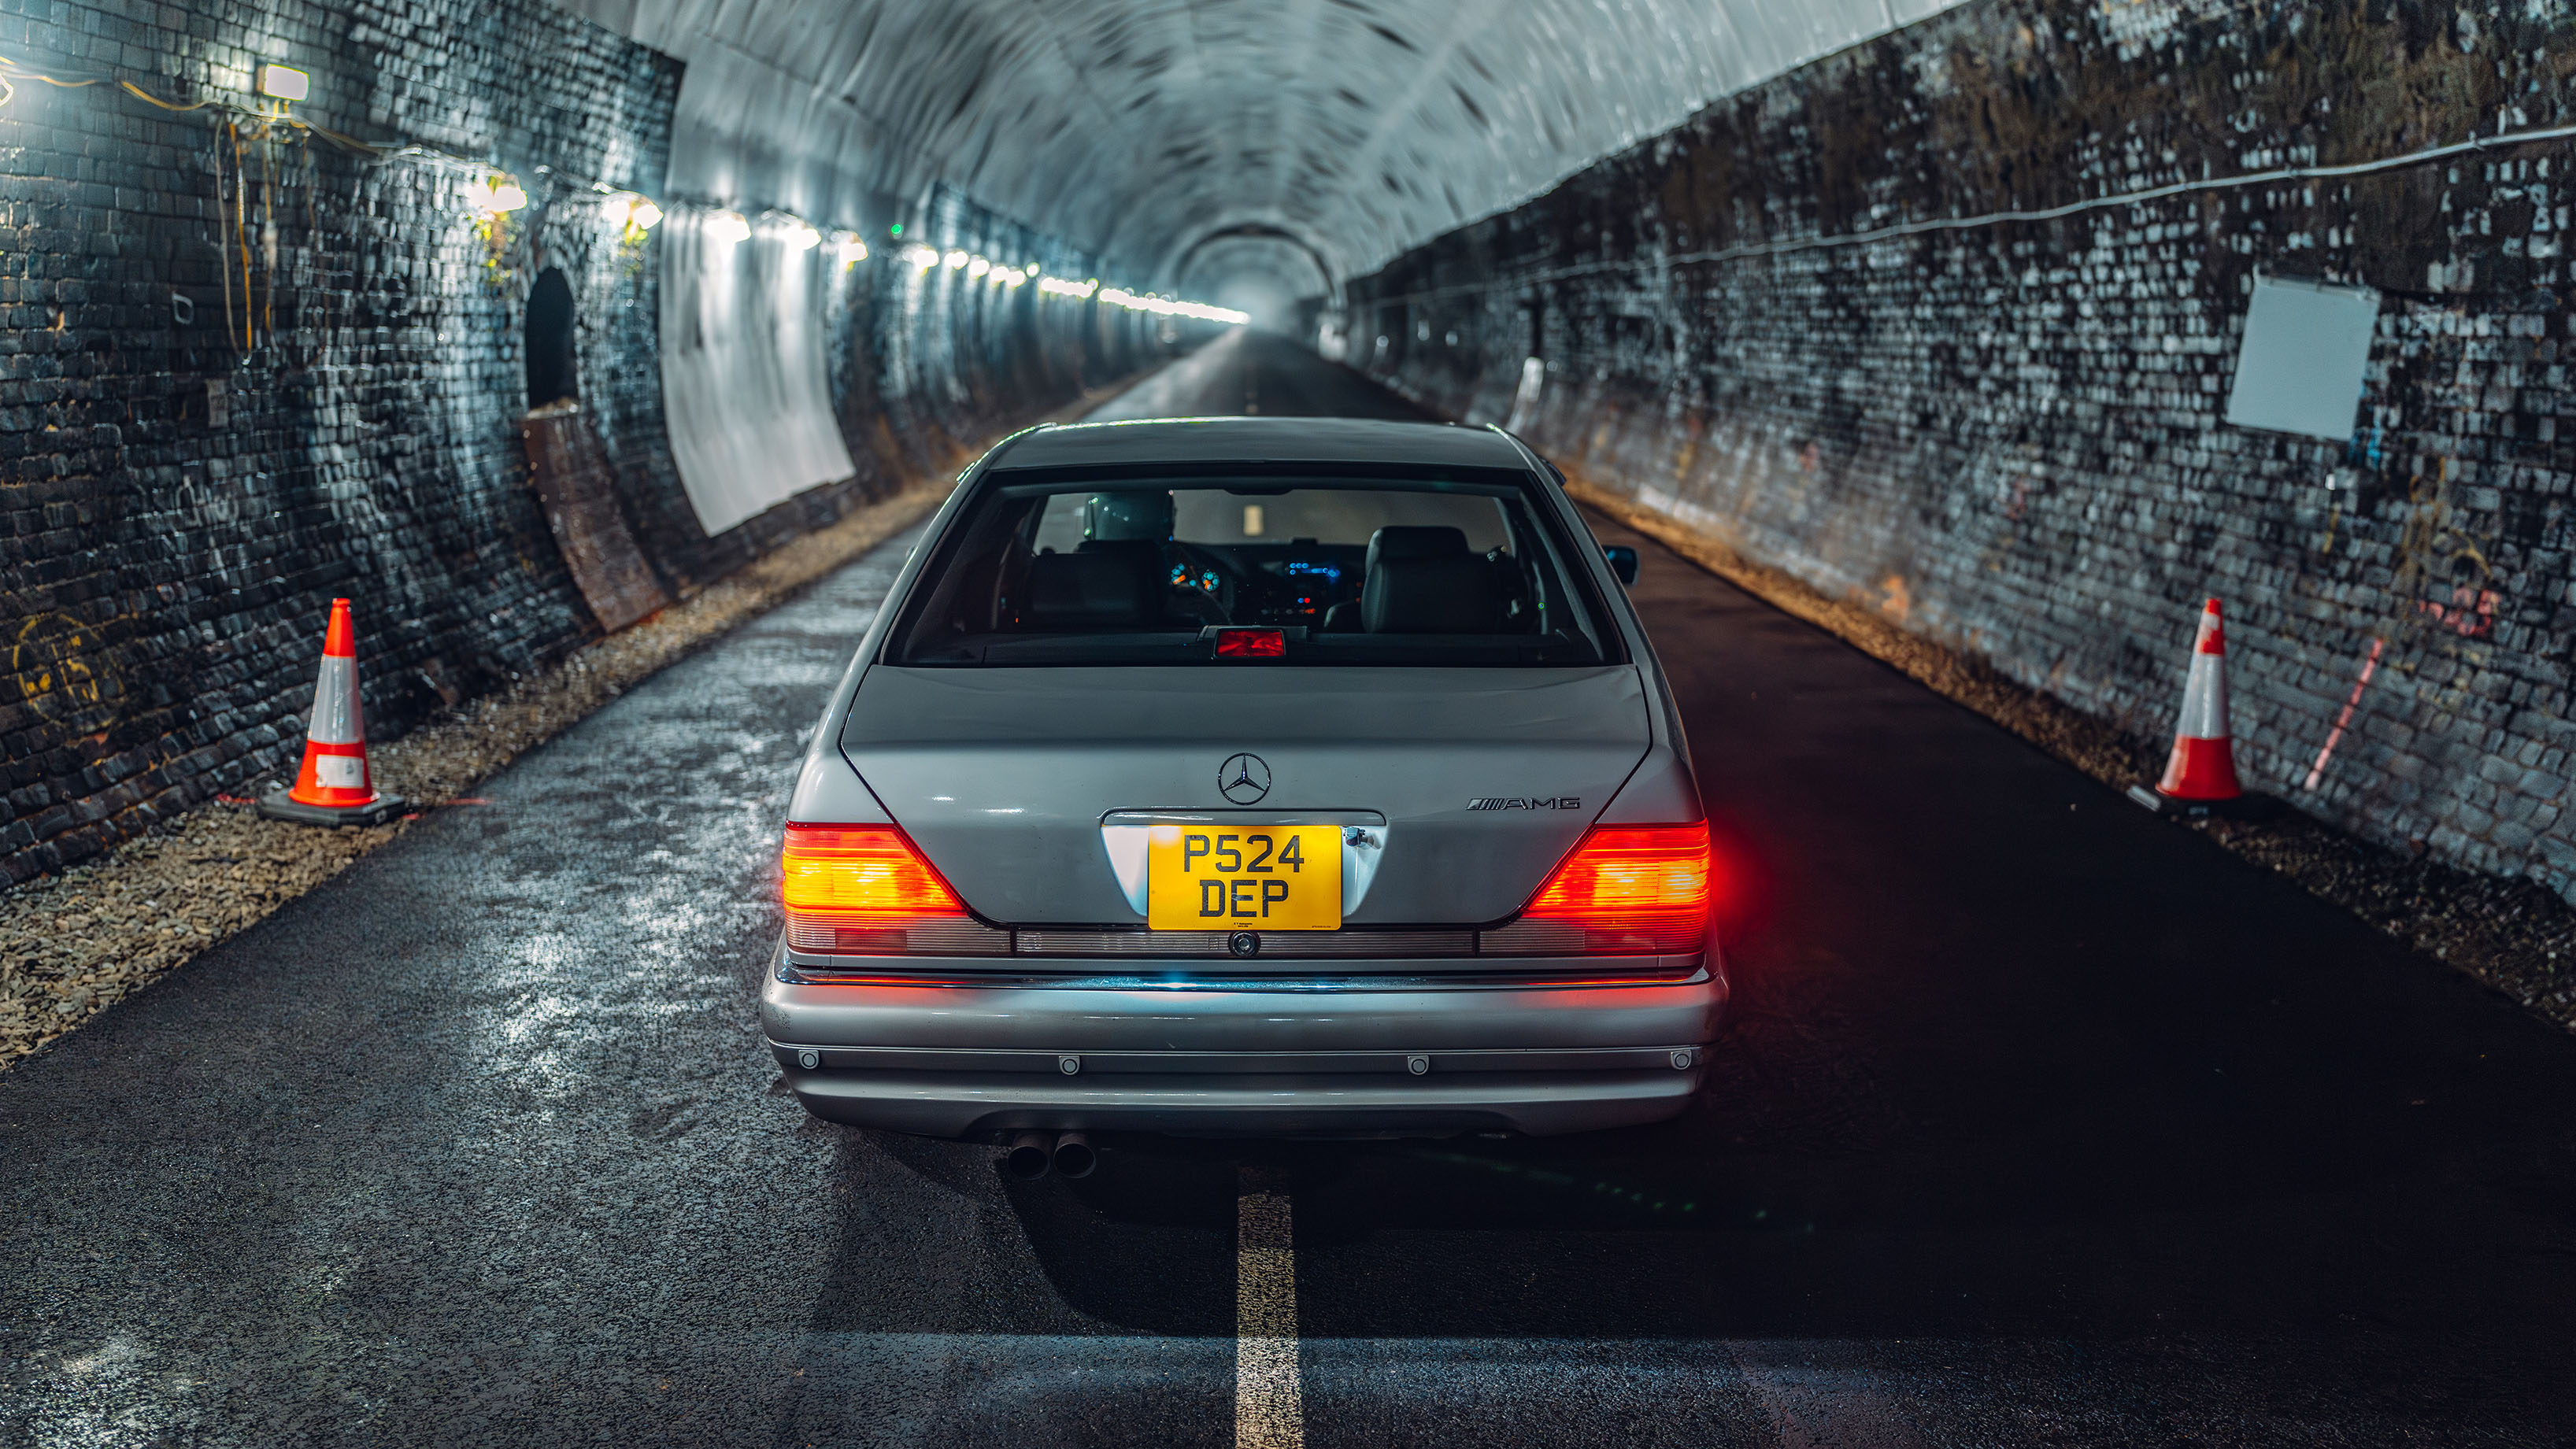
(1257, 778)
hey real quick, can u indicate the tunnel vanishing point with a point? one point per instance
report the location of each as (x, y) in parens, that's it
(2024, 323)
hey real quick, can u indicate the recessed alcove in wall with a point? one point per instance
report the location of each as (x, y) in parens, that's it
(551, 372)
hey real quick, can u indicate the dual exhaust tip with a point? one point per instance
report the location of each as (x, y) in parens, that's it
(1035, 1154)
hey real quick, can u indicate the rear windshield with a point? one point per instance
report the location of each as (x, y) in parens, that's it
(1465, 567)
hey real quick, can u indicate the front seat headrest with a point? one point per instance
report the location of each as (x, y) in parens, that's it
(1422, 580)
(1415, 540)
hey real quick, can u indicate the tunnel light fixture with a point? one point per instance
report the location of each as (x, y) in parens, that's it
(494, 195)
(976, 266)
(1059, 287)
(956, 260)
(850, 249)
(922, 258)
(1011, 279)
(636, 213)
(727, 228)
(800, 237)
(284, 83)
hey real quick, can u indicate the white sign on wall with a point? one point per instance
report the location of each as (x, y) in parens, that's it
(2299, 365)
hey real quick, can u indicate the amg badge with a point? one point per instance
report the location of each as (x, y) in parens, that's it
(1518, 802)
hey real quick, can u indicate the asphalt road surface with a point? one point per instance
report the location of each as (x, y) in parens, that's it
(2044, 1122)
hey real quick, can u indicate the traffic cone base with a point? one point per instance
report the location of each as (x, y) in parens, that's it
(282, 805)
(334, 786)
(2248, 806)
(2200, 770)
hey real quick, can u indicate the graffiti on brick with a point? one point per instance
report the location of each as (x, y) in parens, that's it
(2436, 557)
(62, 669)
(2470, 613)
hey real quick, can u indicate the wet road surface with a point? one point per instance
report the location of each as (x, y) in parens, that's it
(2043, 1122)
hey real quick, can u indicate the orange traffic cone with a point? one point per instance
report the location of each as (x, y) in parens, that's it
(2200, 775)
(334, 787)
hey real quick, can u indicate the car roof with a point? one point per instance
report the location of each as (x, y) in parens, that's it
(1258, 440)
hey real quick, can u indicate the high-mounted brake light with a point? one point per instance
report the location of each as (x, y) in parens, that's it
(864, 890)
(1251, 644)
(1625, 890)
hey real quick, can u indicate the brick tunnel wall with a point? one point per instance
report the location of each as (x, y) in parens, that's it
(213, 422)
(2009, 437)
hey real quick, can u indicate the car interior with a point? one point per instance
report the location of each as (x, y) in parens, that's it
(1327, 563)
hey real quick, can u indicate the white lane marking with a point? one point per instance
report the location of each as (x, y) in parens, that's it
(1267, 1414)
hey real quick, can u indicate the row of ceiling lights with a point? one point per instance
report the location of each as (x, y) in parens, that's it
(499, 193)
(731, 228)
(925, 258)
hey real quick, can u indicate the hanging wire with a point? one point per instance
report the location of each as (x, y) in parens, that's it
(264, 121)
(241, 126)
(2500, 141)
(15, 71)
(267, 238)
(140, 94)
(11, 71)
(241, 226)
(313, 250)
(349, 143)
(224, 267)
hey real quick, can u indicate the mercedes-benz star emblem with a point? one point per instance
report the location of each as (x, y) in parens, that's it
(1243, 779)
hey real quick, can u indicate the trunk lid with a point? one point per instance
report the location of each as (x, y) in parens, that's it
(1483, 778)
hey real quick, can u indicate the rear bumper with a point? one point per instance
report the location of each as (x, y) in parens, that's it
(1307, 1058)
(959, 1104)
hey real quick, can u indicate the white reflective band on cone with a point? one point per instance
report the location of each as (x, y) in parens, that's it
(340, 772)
(336, 720)
(2204, 699)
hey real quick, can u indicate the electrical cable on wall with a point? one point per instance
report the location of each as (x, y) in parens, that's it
(241, 224)
(223, 271)
(2425, 157)
(241, 127)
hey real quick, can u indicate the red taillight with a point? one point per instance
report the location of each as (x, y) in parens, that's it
(1626, 890)
(1251, 644)
(860, 868)
(864, 890)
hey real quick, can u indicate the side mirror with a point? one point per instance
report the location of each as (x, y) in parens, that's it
(1623, 561)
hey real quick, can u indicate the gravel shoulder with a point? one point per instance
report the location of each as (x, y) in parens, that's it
(2515, 936)
(75, 943)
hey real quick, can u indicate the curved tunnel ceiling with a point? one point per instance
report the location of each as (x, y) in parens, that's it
(1297, 134)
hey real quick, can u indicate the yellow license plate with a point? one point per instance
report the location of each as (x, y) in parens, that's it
(1244, 878)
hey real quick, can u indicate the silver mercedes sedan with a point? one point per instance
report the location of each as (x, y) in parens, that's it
(1283, 777)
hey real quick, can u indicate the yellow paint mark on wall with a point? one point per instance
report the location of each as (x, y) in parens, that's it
(64, 672)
